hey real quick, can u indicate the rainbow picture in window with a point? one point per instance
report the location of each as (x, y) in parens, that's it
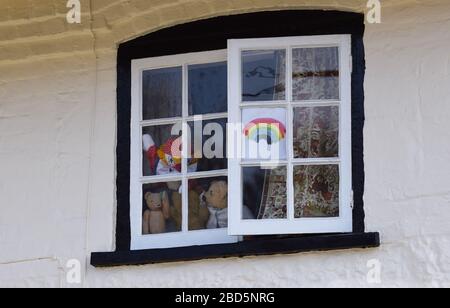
(268, 129)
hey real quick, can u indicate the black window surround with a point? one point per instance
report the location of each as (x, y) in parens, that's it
(212, 34)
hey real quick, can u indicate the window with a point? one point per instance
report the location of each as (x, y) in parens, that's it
(179, 100)
(289, 103)
(297, 114)
(293, 98)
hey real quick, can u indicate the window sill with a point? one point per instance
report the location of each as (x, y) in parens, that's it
(255, 247)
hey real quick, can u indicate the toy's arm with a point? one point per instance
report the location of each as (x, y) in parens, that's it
(150, 150)
(146, 223)
(165, 206)
(176, 208)
(147, 142)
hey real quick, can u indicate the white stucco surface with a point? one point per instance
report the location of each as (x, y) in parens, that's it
(58, 135)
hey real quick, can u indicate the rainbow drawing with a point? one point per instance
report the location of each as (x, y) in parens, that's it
(268, 129)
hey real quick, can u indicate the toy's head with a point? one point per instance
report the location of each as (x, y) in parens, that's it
(217, 195)
(155, 201)
(170, 157)
(170, 154)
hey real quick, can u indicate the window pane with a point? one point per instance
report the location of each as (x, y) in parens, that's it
(208, 203)
(265, 193)
(208, 145)
(208, 88)
(162, 210)
(315, 73)
(263, 75)
(264, 133)
(316, 132)
(316, 191)
(162, 150)
(162, 93)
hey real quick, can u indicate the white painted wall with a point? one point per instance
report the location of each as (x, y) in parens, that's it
(57, 142)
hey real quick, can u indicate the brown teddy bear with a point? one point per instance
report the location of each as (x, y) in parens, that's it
(216, 199)
(154, 219)
(198, 214)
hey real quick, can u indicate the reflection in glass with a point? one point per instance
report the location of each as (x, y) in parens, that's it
(265, 193)
(162, 150)
(162, 93)
(208, 88)
(263, 75)
(316, 191)
(208, 203)
(264, 133)
(316, 132)
(208, 144)
(315, 73)
(161, 210)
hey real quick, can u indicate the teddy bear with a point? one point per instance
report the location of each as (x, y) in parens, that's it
(156, 214)
(198, 213)
(216, 199)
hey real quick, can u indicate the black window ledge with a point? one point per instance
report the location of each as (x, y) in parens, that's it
(255, 247)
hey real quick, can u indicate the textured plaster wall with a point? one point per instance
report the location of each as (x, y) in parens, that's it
(57, 141)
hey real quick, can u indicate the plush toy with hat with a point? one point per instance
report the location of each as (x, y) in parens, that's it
(167, 158)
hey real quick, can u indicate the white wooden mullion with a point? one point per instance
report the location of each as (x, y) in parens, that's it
(136, 153)
(234, 117)
(158, 122)
(207, 117)
(315, 161)
(345, 133)
(161, 179)
(324, 103)
(207, 174)
(290, 138)
(264, 164)
(264, 104)
(185, 151)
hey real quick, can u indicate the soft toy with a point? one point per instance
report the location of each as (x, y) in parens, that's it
(154, 219)
(216, 199)
(167, 158)
(198, 213)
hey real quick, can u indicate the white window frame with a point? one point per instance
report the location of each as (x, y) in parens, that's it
(291, 225)
(137, 180)
(238, 227)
